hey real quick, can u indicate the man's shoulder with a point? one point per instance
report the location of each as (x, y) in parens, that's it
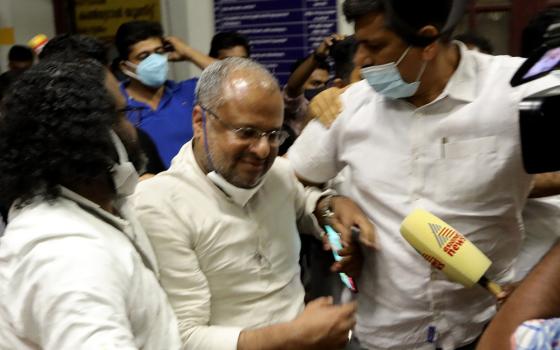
(281, 167)
(357, 95)
(494, 66)
(360, 90)
(156, 190)
(60, 223)
(178, 184)
(502, 68)
(60, 212)
(281, 175)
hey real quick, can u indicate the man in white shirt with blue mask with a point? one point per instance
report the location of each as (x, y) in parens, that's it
(76, 269)
(431, 126)
(224, 222)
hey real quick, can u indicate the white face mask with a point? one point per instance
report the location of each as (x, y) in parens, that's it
(237, 194)
(125, 177)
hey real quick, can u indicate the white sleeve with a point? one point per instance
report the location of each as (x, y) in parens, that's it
(306, 203)
(316, 155)
(181, 277)
(313, 155)
(71, 294)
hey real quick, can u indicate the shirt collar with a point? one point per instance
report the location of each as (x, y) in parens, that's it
(463, 82)
(170, 88)
(95, 209)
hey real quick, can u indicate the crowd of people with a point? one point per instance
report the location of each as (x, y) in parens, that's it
(147, 213)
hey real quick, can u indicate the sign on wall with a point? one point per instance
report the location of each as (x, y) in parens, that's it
(280, 31)
(102, 18)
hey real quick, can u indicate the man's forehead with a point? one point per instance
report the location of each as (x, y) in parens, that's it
(243, 83)
(371, 27)
(148, 44)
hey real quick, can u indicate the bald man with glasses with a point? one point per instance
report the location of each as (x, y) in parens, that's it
(224, 223)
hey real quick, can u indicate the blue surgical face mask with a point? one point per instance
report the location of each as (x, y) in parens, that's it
(386, 79)
(152, 71)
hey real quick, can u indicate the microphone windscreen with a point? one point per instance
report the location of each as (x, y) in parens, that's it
(444, 247)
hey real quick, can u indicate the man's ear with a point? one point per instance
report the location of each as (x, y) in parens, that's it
(123, 66)
(429, 52)
(198, 122)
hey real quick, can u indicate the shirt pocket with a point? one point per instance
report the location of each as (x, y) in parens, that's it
(471, 170)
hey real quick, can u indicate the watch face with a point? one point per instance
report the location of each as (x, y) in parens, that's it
(325, 207)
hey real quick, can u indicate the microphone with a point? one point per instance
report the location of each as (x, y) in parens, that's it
(447, 250)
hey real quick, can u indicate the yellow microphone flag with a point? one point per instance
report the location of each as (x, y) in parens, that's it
(445, 248)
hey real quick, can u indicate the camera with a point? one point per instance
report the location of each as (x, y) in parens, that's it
(539, 124)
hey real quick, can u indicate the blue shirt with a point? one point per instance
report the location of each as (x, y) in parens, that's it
(170, 125)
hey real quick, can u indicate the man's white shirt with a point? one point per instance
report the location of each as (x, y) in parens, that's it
(226, 265)
(73, 276)
(458, 157)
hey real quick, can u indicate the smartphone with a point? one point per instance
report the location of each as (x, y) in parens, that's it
(336, 245)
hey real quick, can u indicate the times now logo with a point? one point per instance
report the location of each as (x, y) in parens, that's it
(447, 238)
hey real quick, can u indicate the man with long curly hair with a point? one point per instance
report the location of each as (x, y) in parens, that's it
(76, 269)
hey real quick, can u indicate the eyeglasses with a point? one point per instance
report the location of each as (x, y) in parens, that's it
(249, 134)
(134, 114)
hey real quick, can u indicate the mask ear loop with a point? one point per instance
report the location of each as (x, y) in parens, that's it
(424, 64)
(402, 56)
(119, 146)
(421, 71)
(128, 72)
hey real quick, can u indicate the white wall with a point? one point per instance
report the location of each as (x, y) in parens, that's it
(28, 17)
(193, 21)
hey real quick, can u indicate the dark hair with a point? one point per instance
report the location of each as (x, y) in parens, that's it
(479, 41)
(132, 32)
(228, 40)
(406, 17)
(20, 53)
(82, 46)
(54, 130)
(342, 53)
(354, 9)
(532, 36)
(320, 65)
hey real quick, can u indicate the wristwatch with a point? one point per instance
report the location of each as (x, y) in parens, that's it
(325, 209)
